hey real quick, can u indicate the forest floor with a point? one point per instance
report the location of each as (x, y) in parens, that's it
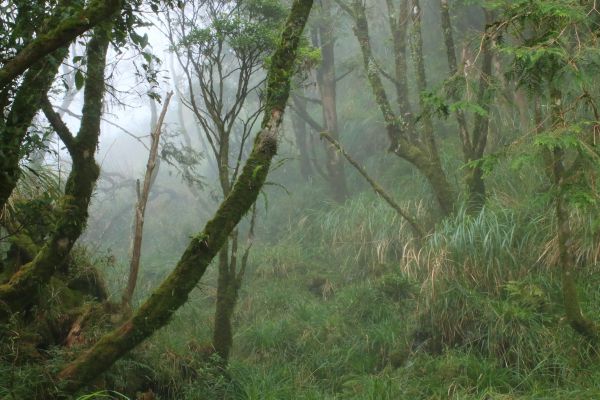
(340, 307)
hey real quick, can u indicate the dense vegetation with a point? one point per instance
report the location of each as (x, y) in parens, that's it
(422, 223)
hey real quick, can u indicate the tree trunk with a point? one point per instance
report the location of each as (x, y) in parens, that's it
(22, 289)
(301, 136)
(326, 82)
(422, 153)
(36, 83)
(473, 142)
(227, 295)
(174, 291)
(580, 323)
(140, 207)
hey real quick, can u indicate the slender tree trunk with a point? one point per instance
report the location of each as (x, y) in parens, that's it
(473, 142)
(326, 82)
(227, 295)
(580, 323)
(301, 136)
(227, 289)
(140, 207)
(416, 42)
(398, 21)
(475, 183)
(173, 292)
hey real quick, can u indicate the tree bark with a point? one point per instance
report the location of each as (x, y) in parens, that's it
(174, 291)
(36, 83)
(578, 321)
(227, 294)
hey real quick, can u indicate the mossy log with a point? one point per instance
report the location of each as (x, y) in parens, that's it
(174, 291)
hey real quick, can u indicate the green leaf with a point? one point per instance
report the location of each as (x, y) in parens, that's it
(144, 41)
(79, 80)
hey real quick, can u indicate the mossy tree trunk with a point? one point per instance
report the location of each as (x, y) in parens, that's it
(41, 58)
(560, 176)
(228, 286)
(36, 83)
(23, 287)
(226, 119)
(418, 149)
(174, 291)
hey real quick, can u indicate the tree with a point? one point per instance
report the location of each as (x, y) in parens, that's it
(411, 135)
(221, 47)
(59, 33)
(554, 59)
(142, 199)
(46, 46)
(473, 140)
(174, 291)
(323, 37)
(22, 289)
(418, 149)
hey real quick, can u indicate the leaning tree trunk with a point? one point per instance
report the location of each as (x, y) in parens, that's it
(173, 292)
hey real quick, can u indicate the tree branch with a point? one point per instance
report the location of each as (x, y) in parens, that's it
(418, 232)
(61, 129)
(61, 35)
